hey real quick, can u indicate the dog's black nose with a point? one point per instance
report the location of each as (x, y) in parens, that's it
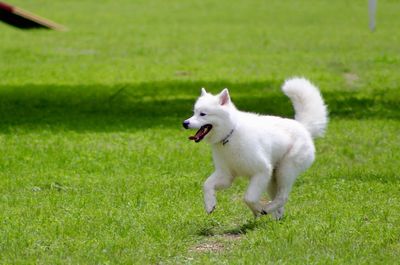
(185, 124)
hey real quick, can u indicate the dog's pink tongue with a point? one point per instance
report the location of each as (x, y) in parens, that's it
(192, 137)
(197, 136)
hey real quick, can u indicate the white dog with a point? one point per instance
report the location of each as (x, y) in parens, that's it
(271, 151)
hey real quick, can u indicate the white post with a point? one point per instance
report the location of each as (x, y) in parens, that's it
(372, 13)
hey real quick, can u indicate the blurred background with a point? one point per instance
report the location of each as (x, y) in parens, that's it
(112, 42)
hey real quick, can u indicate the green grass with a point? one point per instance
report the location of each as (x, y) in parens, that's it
(94, 165)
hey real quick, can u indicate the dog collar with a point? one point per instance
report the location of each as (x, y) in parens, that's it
(226, 139)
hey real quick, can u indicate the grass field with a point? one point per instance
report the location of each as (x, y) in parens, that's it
(96, 169)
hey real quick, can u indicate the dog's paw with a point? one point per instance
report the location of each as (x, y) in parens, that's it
(210, 209)
(210, 203)
(258, 213)
(210, 206)
(263, 212)
(278, 214)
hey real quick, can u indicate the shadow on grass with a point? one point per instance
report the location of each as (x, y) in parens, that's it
(126, 107)
(242, 229)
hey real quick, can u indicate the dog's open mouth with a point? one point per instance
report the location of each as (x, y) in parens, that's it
(201, 133)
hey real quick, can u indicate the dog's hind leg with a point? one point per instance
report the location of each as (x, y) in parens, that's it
(216, 181)
(299, 157)
(258, 184)
(285, 175)
(271, 190)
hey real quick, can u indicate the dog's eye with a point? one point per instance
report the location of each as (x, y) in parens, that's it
(202, 114)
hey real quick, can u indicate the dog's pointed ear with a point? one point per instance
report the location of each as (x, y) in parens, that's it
(224, 98)
(203, 92)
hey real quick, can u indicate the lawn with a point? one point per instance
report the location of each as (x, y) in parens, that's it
(96, 169)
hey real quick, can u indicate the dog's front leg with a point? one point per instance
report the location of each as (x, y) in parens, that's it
(216, 181)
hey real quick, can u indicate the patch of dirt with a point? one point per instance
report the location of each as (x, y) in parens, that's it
(183, 73)
(219, 243)
(209, 247)
(351, 79)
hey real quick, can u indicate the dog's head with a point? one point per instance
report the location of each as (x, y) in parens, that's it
(210, 114)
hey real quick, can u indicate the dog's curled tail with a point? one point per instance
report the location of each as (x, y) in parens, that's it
(308, 104)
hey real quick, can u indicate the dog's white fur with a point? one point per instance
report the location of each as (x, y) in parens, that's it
(271, 151)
